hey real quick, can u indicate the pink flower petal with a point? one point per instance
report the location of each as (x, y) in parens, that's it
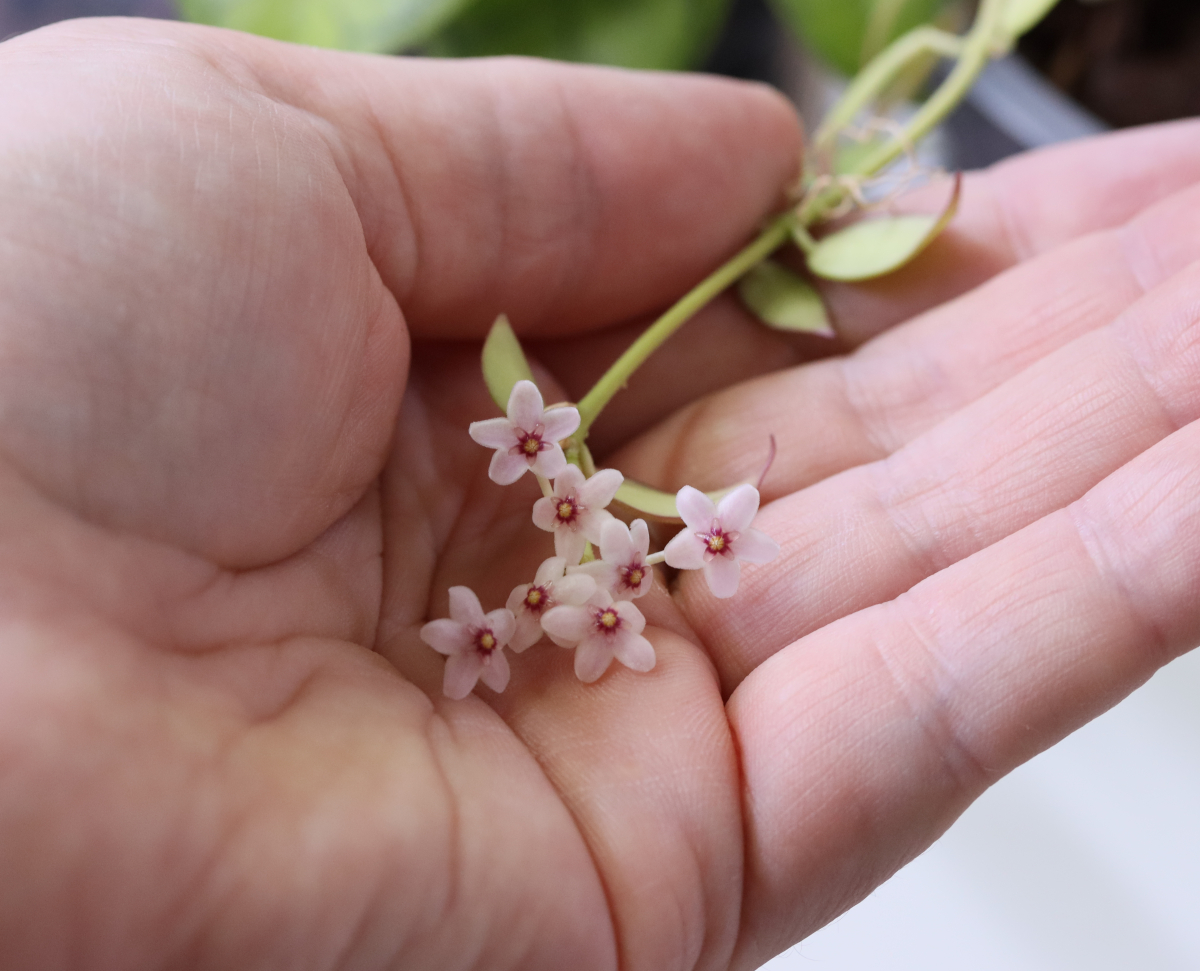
(639, 535)
(506, 468)
(598, 491)
(494, 433)
(631, 617)
(568, 481)
(616, 545)
(592, 658)
(525, 405)
(495, 672)
(545, 513)
(577, 587)
(634, 651)
(685, 551)
(737, 509)
(722, 573)
(462, 671)
(528, 632)
(601, 572)
(446, 636)
(755, 546)
(567, 625)
(569, 545)
(592, 522)
(550, 463)
(502, 624)
(695, 508)
(558, 423)
(464, 607)
(551, 569)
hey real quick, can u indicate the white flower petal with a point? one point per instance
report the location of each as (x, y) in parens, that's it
(550, 463)
(446, 636)
(568, 481)
(569, 545)
(525, 405)
(695, 508)
(494, 433)
(591, 522)
(462, 671)
(465, 608)
(616, 545)
(566, 624)
(737, 509)
(598, 491)
(506, 468)
(631, 617)
(528, 632)
(558, 423)
(634, 651)
(722, 573)
(501, 623)
(639, 535)
(551, 569)
(576, 588)
(685, 551)
(592, 658)
(495, 672)
(545, 513)
(755, 546)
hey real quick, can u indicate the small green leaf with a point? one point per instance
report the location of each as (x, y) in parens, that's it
(784, 301)
(658, 505)
(844, 32)
(1021, 16)
(875, 247)
(380, 26)
(666, 34)
(504, 362)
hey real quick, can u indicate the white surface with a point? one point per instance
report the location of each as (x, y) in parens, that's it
(1085, 859)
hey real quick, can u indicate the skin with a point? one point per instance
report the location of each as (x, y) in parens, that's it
(241, 294)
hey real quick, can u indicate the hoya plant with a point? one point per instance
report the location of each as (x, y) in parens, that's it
(582, 596)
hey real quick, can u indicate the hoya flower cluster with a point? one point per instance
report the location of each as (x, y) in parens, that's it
(585, 606)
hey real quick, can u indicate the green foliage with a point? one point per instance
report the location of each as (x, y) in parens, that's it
(667, 34)
(784, 301)
(379, 26)
(504, 362)
(848, 33)
(875, 247)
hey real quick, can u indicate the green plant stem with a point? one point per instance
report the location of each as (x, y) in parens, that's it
(770, 239)
(878, 74)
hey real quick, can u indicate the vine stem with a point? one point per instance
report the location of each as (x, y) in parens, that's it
(778, 231)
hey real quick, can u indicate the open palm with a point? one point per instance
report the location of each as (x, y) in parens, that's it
(240, 287)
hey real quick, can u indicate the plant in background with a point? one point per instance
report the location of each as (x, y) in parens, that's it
(578, 600)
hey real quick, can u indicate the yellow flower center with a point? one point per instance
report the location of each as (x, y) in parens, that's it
(534, 597)
(487, 641)
(566, 509)
(716, 543)
(635, 577)
(609, 619)
(531, 446)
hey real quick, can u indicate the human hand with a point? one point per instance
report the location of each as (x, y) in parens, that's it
(222, 742)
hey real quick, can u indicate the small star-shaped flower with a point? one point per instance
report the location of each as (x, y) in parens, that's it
(473, 642)
(528, 438)
(622, 569)
(718, 536)
(575, 512)
(600, 630)
(550, 588)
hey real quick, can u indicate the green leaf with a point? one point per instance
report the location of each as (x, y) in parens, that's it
(668, 34)
(784, 301)
(875, 247)
(379, 26)
(1021, 16)
(504, 362)
(847, 33)
(658, 505)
